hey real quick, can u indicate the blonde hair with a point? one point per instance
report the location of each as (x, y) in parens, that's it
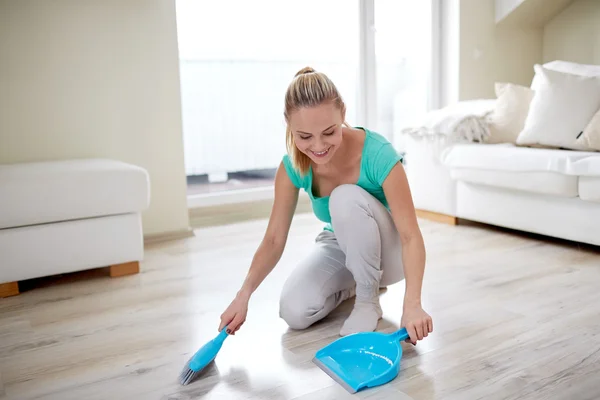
(308, 89)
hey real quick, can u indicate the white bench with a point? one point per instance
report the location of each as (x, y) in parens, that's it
(65, 216)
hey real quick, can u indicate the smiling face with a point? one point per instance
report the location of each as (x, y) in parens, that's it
(317, 131)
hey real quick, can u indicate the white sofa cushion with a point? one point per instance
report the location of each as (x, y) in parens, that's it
(550, 183)
(562, 107)
(512, 158)
(589, 188)
(43, 192)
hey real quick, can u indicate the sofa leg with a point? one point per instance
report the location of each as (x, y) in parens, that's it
(9, 289)
(128, 268)
(437, 217)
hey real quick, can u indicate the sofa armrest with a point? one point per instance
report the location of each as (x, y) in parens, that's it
(430, 182)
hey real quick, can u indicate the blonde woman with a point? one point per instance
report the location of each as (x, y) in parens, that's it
(358, 188)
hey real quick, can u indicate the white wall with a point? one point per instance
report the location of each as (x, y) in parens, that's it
(96, 78)
(574, 35)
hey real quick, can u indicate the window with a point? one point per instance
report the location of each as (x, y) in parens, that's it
(403, 48)
(237, 58)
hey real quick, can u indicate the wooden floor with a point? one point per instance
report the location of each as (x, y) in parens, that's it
(515, 317)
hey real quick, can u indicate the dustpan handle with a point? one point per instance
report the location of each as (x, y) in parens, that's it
(401, 334)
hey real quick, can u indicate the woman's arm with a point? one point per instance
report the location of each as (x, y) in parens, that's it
(269, 251)
(397, 192)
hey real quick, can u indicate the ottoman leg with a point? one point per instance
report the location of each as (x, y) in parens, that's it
(9, 289)
(129, 268)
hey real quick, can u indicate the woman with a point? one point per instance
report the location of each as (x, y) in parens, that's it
(357, 185)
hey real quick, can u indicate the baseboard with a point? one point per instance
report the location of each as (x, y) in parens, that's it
(437, 217)
(166, 236)
(224, 214)
(237, 196)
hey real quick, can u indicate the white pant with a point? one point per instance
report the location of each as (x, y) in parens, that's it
(362, 254)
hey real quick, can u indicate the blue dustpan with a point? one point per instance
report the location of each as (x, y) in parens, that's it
(362, 360)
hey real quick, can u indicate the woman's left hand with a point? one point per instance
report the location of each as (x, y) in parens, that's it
(417, 322)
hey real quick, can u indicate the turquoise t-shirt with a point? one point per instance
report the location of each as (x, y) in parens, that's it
(378, 159)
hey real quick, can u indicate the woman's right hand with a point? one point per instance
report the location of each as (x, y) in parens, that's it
(235, 315)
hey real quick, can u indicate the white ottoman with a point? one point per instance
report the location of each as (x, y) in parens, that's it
(65, 216)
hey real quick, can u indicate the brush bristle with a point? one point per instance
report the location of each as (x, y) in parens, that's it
(187, 374)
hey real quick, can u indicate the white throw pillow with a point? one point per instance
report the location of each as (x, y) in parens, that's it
(508, 118)
(591, 134)
(567, 67)
(561, 109)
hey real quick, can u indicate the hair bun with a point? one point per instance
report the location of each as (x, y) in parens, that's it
(305, 70)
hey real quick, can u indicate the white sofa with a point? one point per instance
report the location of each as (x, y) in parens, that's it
(549, 192)
(65, 216)
(543, 190)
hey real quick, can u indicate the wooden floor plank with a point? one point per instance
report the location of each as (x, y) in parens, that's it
(515, 316)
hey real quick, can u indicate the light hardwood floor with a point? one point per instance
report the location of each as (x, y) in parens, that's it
(515, 317)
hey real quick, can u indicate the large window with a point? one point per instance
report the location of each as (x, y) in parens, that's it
(237, 58)
(403, 66)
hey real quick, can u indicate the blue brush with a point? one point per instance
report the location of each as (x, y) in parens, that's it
(202, 358)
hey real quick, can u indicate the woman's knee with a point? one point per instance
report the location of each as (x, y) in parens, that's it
(346, 200)
(296, 310)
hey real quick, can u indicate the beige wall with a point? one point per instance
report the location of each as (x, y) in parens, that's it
(477, 49)
(96, 78)
(477, 52)
(517, 51)
(491, 52)
(574, 35)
